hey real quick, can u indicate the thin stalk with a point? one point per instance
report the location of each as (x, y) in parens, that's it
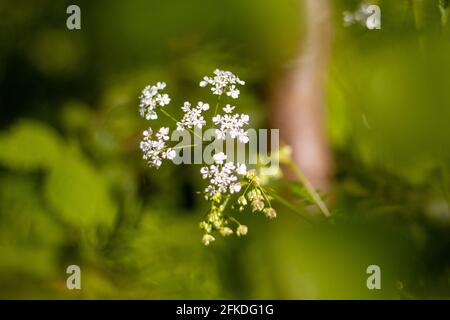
(248, 186)
(168, 115)
(176, 121)
(265, 196)
(309, 187)
(234, 220)
(289, 206)
(185, 146)
(217, 106)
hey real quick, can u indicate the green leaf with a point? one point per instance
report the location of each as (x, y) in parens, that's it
(29, 145)
(76, 191)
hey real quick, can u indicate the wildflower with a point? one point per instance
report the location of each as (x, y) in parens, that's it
(228, 108)
(233, 92)
(235, 188)
(219, 158)
(205, 226)
(223, 81)
(231, 125)
(223, 176)
(242, 201)
(257, 205)
(192, 116)
(241, 169)
(270, 213)
(151, 99)
(207, 239)
(254, 194)
(241, 230)
(222, 179)
(154, 151)
(226, 231)
(257, 199)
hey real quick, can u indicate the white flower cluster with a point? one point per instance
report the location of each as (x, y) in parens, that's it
(156, 150)
(223, 176)
(217, 221)
(226, 178)
(258, 202)
(223, 81)
(256, 196)
(231, 124)
(192, 116)
(151, 99)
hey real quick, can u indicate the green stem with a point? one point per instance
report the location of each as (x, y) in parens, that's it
(265, 196)
(248, 186)
(168, 115)
(185, 146)
(234, 220)
(176, 121)
(309, 187)
(289, 206)
(217, 106)
(224, 204)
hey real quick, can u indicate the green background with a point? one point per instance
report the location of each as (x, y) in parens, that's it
(74, 189)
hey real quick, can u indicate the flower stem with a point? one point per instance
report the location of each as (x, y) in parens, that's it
(309, 187)
(217, 105)
(265, 196)
(176, 121)
(248, 186)
(234, 220)
(168, 115)
(185, 146)
(289, 206)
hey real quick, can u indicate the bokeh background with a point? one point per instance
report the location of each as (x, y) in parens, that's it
(75, 190)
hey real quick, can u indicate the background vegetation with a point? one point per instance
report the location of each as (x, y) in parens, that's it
(74, 189)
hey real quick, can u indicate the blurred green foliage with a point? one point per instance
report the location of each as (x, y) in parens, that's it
(74, 189)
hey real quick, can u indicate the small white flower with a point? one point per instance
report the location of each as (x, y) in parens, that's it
(207, 239)
(242, 201)
(192, 116)
(203, 106)
(233, 92)
(223, 81)
(171, 154)
(226, 231)
(231, 125)
(241, 169)
(241, 230)
(163, 133)
(219, 158)
(234, 188)
(154, 151)
(243, 137)
(163, 99)
(222, 176)
(206, 226)
(160, 85)
(204, 171)
(270, 213)
(151, 99)
(257, 205)
(203, 83)
(228, 108)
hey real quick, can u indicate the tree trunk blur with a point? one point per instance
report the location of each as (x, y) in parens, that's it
(299, 97)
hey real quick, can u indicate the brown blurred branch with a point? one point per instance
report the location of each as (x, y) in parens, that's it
(299, 97)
